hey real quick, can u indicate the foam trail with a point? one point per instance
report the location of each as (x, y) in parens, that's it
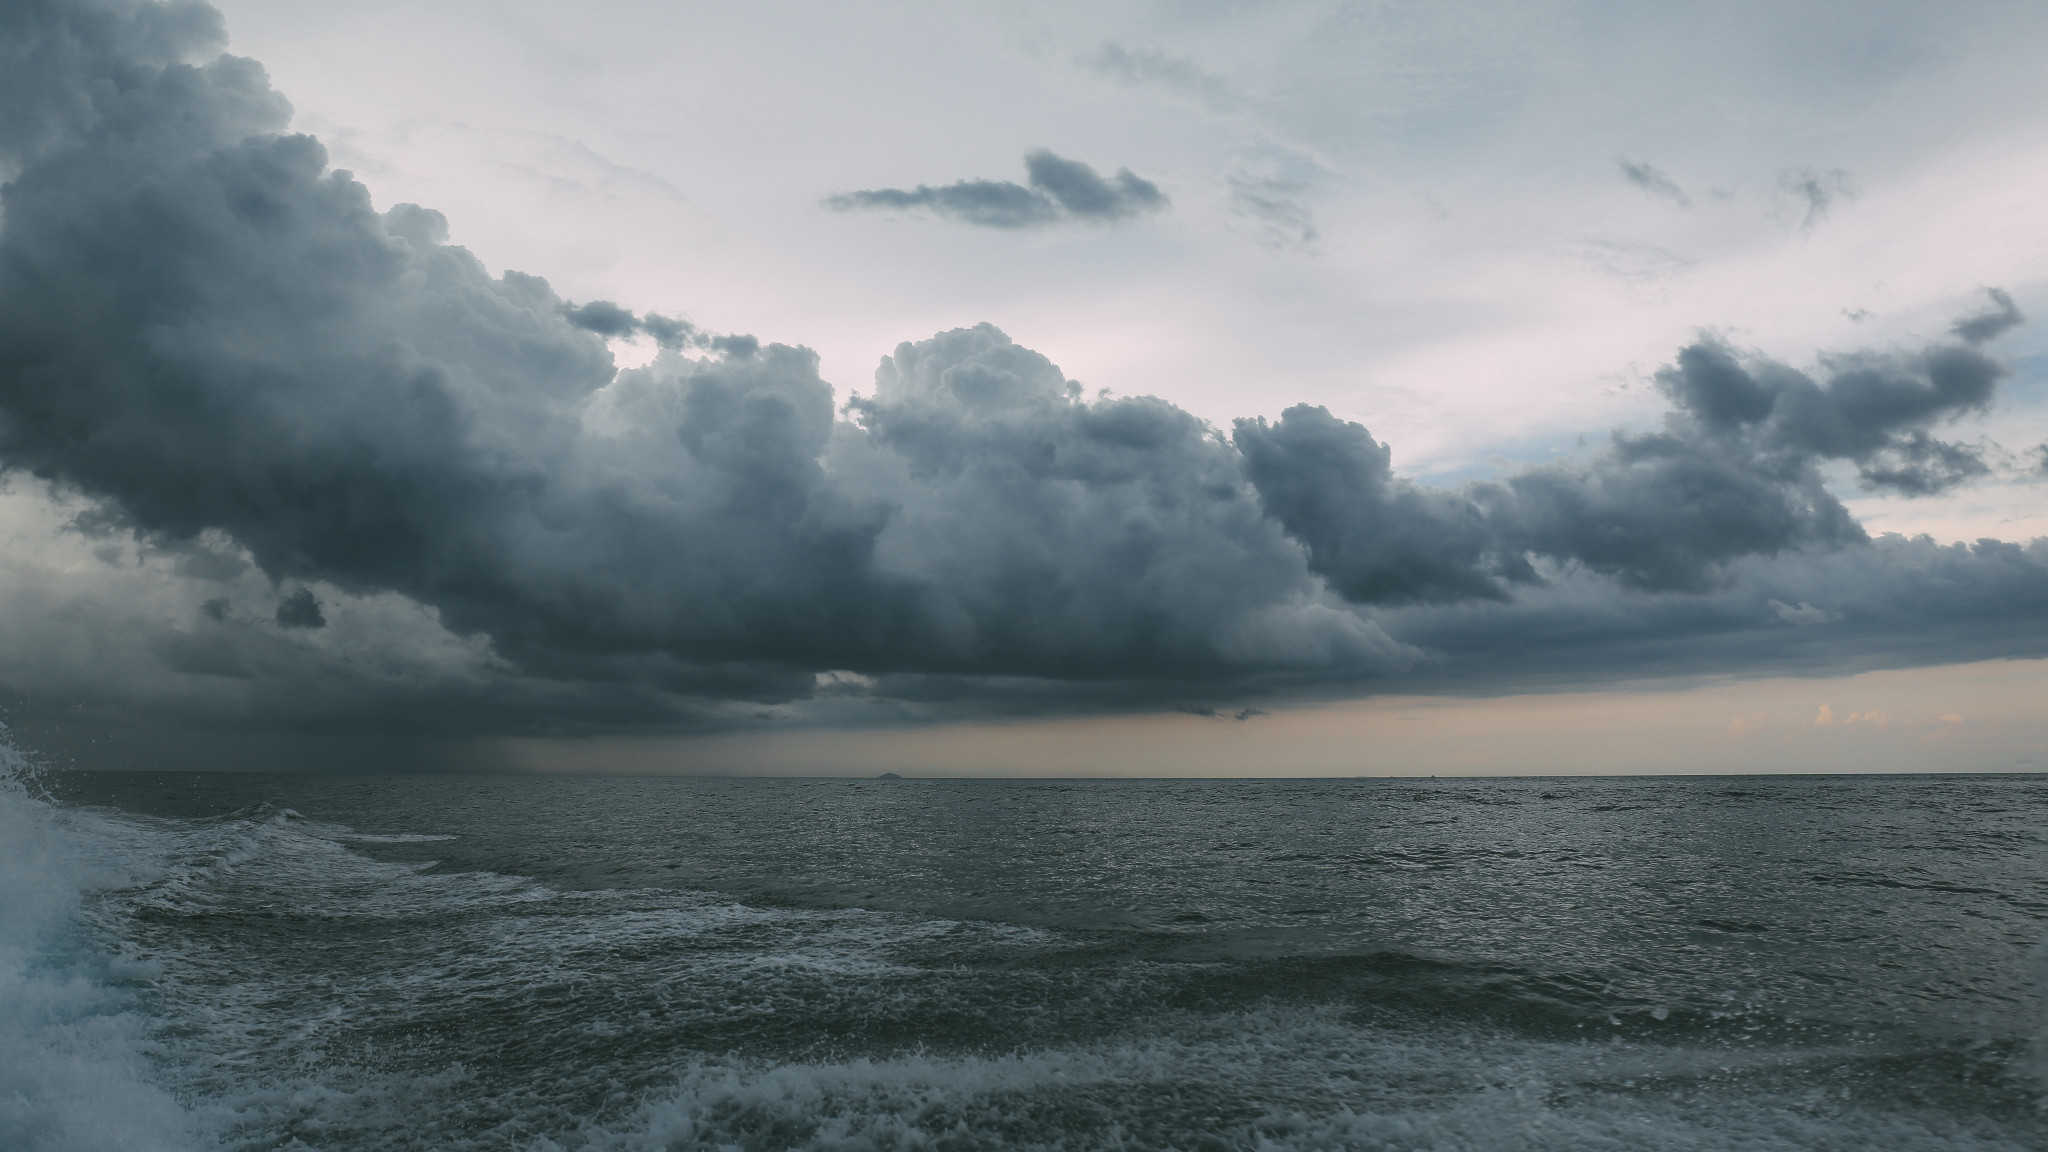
(74, 1071)
(1358, 1088)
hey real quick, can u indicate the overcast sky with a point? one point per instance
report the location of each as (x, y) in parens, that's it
(1418, 215)
(1396, 275)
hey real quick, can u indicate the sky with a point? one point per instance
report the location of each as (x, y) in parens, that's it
(1132, 389)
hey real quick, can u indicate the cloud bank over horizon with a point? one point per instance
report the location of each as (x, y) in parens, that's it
(342, 476)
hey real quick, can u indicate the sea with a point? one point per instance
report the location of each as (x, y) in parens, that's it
(357, 962)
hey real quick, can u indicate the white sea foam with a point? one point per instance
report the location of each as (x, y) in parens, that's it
(392, 838)
(74, 1057)
(1280, 1081)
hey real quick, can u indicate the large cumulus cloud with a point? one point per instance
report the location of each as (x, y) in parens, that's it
(205, 327)
(206, 334)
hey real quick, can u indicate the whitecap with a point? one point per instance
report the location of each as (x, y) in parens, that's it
(75, 1072)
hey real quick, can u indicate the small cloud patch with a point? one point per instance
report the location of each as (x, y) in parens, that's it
(615, 323)
(1058, 190)
(1153, 68)
(1281, 221)
(1652, 181)
(1819, 192)
(2001, 317)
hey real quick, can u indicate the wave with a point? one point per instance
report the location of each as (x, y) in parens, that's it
(75, 1071)
(391, 838)
(1300, 1080)
(262, 980)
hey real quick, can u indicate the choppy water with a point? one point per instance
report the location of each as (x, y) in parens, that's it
(256, 962)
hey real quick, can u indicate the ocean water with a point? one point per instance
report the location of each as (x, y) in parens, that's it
(366, 962)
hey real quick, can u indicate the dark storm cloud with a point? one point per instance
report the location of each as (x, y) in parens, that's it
(217, 339)
(1894, 602)
(1657, 512)
(300, 610)
(1873, 408)
(1060, 190)
(1734, 473)
(1653, 182)
(203, 326)
(61, 61)
(1375, 538)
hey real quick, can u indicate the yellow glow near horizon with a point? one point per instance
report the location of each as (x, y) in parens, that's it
(1983, 717)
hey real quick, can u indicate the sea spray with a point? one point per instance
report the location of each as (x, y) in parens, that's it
(74, 1068)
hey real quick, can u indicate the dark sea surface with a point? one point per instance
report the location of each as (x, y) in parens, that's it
(374, 962)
